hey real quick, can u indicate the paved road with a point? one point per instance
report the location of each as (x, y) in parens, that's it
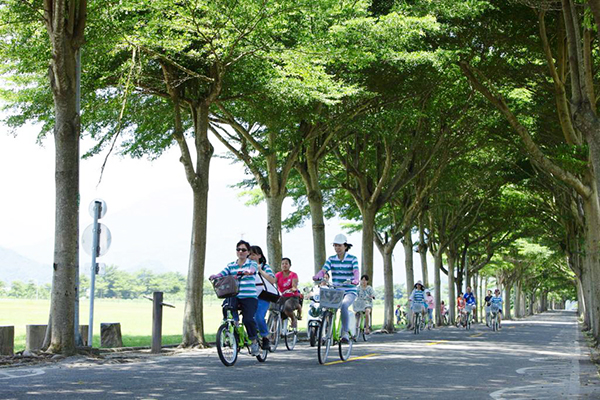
(542, 357)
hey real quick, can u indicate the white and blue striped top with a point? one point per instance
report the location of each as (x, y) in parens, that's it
(247, 282)
(418, 296)
(342, 270)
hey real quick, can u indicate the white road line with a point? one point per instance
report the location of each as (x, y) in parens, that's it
(21, 373)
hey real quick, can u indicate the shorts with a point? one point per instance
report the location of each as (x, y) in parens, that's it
(289, 304)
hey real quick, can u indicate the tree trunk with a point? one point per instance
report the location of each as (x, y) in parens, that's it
(423, 254)
(475, 287)
(388, 281)
(407, 243)
(274, 246)
(368, 237)
(581, 303)
(193, 326)
(531, 303)
(309, 171)
(437, 267)
(66, 234)
(451, 291)
(518, 313)
(506, 310)
(591, 264)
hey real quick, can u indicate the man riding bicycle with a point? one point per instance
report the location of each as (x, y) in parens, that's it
(470, 300)
(488, 303)
(496, 301)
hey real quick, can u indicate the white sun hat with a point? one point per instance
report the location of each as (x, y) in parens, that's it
(340, 239)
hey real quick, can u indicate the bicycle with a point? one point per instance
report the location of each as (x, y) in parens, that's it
(462, 318)
(278, 326)
(469, 316)
(494, 317)
(232, 336)
(360, 326)
(418, 324)
(331, 326)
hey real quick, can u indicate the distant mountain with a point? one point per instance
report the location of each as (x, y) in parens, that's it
(14, 266)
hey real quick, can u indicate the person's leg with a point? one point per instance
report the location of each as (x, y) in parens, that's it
(368, 320)
(249, 306)
(288, 309)
(231, 302)
(345, 311)
(259, 317)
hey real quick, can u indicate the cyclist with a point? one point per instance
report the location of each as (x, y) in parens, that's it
(364, 301)
(470, 300)
(460, 304)
(488, 303)
(257, 255)
(398, 313)
(287, 283)
(497, 301)
(430, 302)
(444, 312)
(247, 298)
(342, 267)
(417, 301)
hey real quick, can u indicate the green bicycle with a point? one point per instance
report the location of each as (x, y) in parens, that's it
(330, 331)
(360, 326)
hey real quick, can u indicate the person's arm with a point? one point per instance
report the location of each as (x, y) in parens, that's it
(355, 272)
(221, 274)
(267, 273)
(321, 273)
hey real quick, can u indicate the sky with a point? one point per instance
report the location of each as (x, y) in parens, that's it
(149, 208)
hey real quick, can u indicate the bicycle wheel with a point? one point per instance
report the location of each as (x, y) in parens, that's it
(468, 324)
(274, 324)
(325, 338)
(227, 345)
(417, 326)
(291, 337)
(262, 355)
(345, 348)
(313, 333)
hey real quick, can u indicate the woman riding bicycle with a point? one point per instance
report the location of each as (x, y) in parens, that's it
(256, 255)
(460, 304)
(364, 302)
(287, 283)
(417, 301)
(246, 299)
(343, 267)
(488, 303)
(430, 301)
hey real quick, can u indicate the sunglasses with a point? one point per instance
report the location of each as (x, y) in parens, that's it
(242, 250)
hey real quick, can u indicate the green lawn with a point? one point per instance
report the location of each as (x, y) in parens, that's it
(135, 317)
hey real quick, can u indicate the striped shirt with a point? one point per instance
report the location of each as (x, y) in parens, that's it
(247, 282)
(342, 270)
(418, 296)
(259, 278)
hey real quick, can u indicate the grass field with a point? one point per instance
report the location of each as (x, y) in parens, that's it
(135, 317)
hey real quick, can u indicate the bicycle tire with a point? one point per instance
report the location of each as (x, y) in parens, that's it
(291, 337)
(227, 345)
(417, 323)
(262, 355)
(325, 338)
(274, 324)
(345, 349)
(363, 335)
(313, 332)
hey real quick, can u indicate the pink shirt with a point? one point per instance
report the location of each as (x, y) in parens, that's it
(429, 300)
(285, 283)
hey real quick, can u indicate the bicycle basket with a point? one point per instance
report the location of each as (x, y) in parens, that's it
(227, 286)
(332, 298)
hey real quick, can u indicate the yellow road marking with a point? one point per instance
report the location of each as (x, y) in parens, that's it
(477, 335)
(432, 343)
(352, 359)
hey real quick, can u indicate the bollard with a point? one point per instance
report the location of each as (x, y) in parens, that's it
(7, 340)
(157, 304)
(34, 337)
(157, 299)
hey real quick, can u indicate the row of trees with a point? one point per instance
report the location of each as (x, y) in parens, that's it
(450, 119)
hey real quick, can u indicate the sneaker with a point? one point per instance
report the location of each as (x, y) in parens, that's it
(345, 338)
(266, 344)
(254, 350)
